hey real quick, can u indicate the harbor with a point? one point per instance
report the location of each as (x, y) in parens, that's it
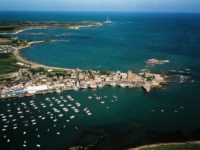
(33, 78)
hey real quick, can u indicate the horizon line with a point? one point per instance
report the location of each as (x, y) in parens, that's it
(106, 11)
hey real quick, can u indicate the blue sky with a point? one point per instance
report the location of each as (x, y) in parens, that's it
(103, 5)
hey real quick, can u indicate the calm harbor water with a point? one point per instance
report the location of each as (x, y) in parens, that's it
(134, 117)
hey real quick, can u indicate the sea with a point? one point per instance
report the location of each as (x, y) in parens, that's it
(120, 118)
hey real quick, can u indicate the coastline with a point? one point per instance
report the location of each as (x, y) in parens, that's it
(77, 78)
(164, 144)
(80, 78)
(83, 24)
(19, 57)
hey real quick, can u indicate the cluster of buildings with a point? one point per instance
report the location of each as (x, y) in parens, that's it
(27, 83)
(6, 49)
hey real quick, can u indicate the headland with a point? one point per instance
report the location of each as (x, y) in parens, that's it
(33, 78)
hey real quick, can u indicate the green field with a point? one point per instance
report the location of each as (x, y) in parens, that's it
(8, 63)
(176, 147)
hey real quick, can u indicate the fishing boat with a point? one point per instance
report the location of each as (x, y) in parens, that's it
(89, 97)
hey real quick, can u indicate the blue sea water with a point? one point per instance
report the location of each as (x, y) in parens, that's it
(136, 118)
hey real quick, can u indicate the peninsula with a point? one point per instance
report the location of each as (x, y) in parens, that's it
(17, 27)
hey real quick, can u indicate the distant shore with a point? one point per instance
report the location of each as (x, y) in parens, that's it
(18, 27)
(164, 144)
(21, 30)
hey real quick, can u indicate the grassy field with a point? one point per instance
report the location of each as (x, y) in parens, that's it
(176, 147)
(7, 63)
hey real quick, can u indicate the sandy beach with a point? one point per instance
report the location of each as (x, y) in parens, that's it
(18, 55)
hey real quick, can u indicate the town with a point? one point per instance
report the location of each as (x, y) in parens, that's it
(33, 79)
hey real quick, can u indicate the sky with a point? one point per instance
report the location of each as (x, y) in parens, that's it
(103, 5)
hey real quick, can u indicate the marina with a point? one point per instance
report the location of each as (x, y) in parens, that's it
(65, 112)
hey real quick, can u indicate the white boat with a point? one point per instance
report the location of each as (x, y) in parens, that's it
(75, 88)
(84, 87)
(8, 140)
(98, 97)
(122, 85)
(115, 97)
(107, 21)
(65, 109)
(58, 91)
(100, 85)
(89, 114)
(24, 145)
(72, 117)
(78, 104)
(38, 145)
(113, 84)
(14, 128)
(102, 102)
(89, 97)
(47, 98)
(61, 115)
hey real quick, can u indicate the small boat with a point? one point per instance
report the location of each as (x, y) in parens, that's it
(89, 97)
(8, 140)
(78, 104)
(100, 85)
(84, 87)
(75, 88)
(89, 114)
(24, 145)
(58, 91)
(24, 132)
(122, 85)
(115, 97)
(38, 145)
(47, 98)
(14, 128)
(93, 86)
(65, 109)
(60, 115)
(113, 84)
(72, 117)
